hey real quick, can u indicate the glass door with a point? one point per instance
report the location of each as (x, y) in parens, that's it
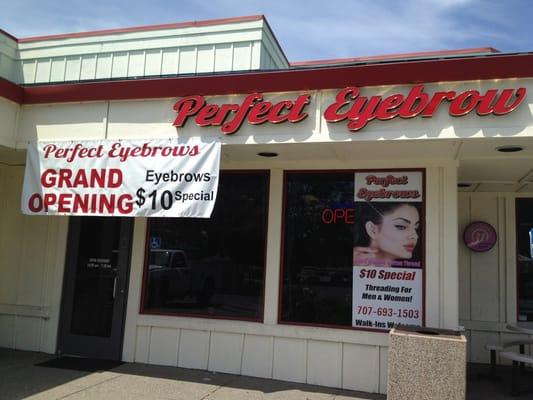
(95, 287)
(524, 260)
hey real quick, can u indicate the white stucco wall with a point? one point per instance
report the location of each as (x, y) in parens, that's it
(8, 56)
(32, 260)
(9, 115)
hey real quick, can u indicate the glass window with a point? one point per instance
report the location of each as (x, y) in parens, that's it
(524, 261)
(215, 266)
(96, 272)
(350, 260)
(317, 273)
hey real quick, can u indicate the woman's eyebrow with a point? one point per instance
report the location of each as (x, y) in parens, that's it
(402, 219)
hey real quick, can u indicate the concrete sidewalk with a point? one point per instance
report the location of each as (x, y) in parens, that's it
(21, 379)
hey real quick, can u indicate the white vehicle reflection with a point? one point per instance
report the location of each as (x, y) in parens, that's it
(169, 276)
(172, 279)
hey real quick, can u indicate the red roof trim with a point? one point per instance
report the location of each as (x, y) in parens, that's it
(189, 24)
(11, 91)
(445, 53)
(444, 70)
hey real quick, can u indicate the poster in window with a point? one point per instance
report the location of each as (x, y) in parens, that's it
(388, 262)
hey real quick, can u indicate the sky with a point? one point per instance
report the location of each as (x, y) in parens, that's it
(306, 29)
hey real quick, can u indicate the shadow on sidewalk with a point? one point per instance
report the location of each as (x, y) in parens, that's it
(21, 378)
(482, 385)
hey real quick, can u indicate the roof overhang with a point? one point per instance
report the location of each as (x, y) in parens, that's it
(391, 73)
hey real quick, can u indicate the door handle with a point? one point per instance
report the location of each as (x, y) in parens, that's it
(114, 287)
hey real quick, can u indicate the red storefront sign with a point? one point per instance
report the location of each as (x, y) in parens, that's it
(349, 105)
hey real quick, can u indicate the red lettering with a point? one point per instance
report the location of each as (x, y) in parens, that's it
(388, 108)
(136, 151)
(35, 203)
(327, 216)
(114, 178)
(83, 203)
(125, 204)
(350, 213)
(360, 114)
(49, 148)
(64, 178)
(97, 178)
(80, 203)
(96, 151)
(146, 150)
(206, 114)
(48, 178)
(61, 153)
(385, 181)
(182, 151)
(275, 115)
(49, 199)
(464, 103)
(417, 99)
(332, 216)
(64, 202)
(297, 114)
(225, 109)
(340, 213)
(94, 198)
(71, 153)
(187, 107)
(83, 152)
(501, 107)
(334, 112)
(485, 105)
(106, 204)
(233, 126)
(74, 152)
(81, 179)
(437, 98)
(348, 104)
(259, 113)
(111, 178)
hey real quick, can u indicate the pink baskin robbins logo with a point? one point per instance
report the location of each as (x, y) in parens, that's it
(349, 106)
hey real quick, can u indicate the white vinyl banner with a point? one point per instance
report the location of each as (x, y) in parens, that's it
(155, 178)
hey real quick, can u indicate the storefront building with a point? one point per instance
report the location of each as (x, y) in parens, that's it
(277, 283)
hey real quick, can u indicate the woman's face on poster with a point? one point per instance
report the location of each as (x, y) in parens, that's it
(397, 235)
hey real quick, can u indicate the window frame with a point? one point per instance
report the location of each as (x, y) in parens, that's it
(517, 320)
(260, 317)
(423, 232)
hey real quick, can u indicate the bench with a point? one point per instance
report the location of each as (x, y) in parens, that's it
(517, 359)
(520, 329)
(500, 347)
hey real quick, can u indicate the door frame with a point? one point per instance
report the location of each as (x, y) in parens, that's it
(113, 345)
